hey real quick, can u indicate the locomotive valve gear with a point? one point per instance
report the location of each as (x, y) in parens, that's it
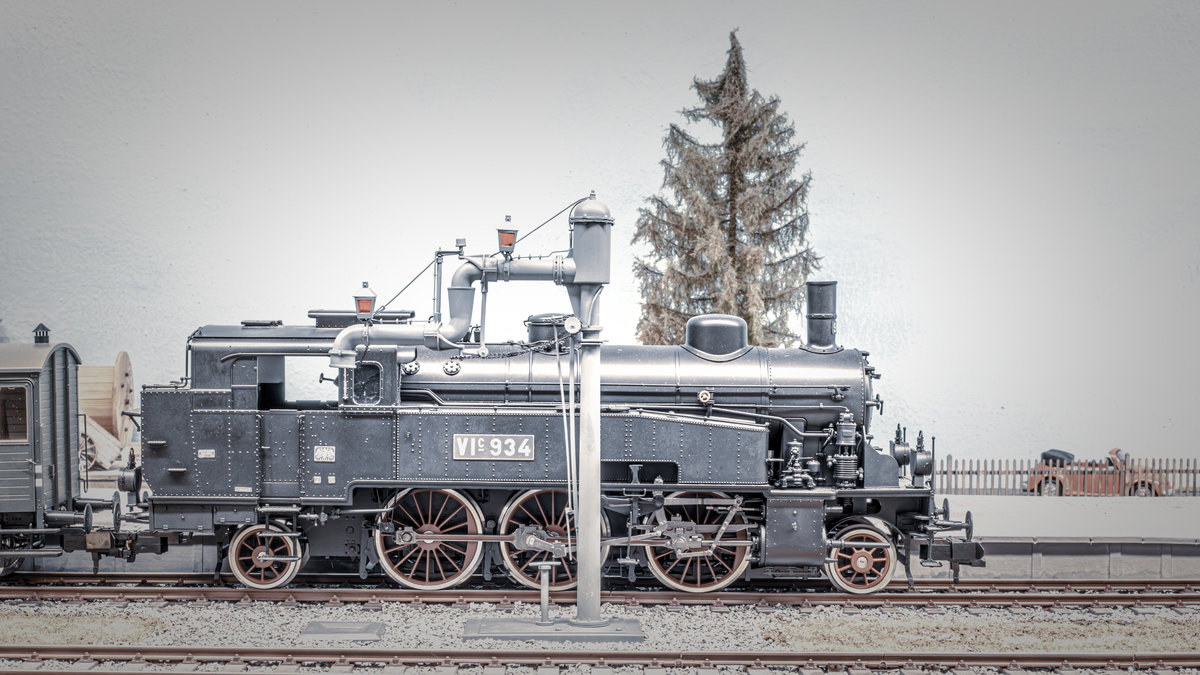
(528, 538)
(535, 526)
(431, 564)
(729, 516)
(681, 564)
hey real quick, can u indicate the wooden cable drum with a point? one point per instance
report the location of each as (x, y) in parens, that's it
(107, 391)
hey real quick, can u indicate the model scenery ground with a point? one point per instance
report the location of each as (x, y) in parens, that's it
(825, 629)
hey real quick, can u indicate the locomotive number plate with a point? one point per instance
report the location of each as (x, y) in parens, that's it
(508, 447)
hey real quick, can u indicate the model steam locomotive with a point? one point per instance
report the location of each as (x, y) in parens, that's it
(437, 456)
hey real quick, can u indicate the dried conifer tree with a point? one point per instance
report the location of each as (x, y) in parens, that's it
(728, 231)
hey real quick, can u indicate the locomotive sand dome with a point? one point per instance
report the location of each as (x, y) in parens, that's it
(435, 456)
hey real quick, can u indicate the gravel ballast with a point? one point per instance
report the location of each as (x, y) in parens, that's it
(824, 629)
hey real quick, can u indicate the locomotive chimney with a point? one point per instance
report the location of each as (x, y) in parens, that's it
(822, 315)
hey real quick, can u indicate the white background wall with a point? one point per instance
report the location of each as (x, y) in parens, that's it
(1006, 194)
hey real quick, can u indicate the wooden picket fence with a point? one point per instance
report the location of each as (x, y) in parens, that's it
(1152, 477)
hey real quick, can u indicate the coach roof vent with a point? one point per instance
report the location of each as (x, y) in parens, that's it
(716, 337)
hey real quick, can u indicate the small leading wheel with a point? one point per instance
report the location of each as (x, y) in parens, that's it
(265, 562)
(545, 510)
(862, 569)
(429, 564)
(703, 573)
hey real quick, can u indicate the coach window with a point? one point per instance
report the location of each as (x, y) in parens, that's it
(14, 414)
(366, 384)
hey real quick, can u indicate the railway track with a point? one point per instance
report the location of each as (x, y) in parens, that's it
(98, 660)
(1183, 595)
(353, 581)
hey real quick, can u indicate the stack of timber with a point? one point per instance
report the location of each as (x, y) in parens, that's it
(105, 392)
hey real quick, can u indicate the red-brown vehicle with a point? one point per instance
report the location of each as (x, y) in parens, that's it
(1059, 473)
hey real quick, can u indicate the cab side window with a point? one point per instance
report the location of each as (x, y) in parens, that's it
(14, 414)
(366, 384)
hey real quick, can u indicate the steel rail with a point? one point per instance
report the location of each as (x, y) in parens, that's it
(506, 597)
(287, 658)
(775, 586)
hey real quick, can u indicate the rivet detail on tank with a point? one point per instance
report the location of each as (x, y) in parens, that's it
(411, 368)
(451, 367)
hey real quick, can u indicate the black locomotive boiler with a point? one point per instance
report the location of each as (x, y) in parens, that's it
(436, 456)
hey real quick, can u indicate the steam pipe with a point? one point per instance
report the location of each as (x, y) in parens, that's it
(461, 297)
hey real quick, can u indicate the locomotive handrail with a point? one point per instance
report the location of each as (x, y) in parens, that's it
(791, 427)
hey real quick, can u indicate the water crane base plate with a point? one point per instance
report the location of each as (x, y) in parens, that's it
(343, 630)
(561, 630)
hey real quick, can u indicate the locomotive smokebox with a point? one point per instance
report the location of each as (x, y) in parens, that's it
(591, 235)
(822, 315)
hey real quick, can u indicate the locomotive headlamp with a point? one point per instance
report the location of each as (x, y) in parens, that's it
(364, 303)
(508, 241)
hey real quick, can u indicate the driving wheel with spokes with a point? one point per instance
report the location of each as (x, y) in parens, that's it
(265, 556)
(702, 573)
(429, 564)
(865, 568)
(544, 510)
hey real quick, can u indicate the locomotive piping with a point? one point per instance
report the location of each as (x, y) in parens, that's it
(584, 271)
(461, 297)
